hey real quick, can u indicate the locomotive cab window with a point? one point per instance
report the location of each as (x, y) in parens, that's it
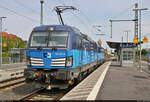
(58, 39)
(49, 39)
(39, 39)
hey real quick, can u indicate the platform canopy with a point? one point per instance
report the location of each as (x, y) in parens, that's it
(117, 45)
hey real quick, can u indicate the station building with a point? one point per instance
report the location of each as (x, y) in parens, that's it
(124, 51)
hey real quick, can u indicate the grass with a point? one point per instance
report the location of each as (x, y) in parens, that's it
(143, 58)
(5, 63)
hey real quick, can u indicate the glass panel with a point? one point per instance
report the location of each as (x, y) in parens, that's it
(127, 55)
(39, 39)
(58, 39)
(130, 55)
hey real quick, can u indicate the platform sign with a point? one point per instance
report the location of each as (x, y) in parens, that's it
(128, 45)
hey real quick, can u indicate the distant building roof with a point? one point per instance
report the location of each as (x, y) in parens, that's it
(10, 36)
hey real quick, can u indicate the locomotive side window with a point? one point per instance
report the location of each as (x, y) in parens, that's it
(39, 39)
(80, 44)
(76, 42)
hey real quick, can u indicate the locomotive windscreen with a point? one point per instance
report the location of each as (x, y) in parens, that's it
(49, 39)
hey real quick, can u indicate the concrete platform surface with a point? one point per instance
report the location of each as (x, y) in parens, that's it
(125, 83)
(88, 88)
(10, 71)
(13, 66)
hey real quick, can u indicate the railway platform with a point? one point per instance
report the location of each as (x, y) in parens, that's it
(13, 66)
(9, 71)
(113, 82)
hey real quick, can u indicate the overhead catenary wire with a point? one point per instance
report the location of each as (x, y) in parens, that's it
(25, 6)
(123, 11)
(86, 18)
(86, 22)
(48, 11)
(83, 22)
(62, 2)
(10, 10)
(84, 14)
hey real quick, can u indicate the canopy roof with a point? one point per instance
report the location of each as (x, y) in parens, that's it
(116, 45)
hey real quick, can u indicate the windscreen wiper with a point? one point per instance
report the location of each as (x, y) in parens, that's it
(39, 48)
(54, 48)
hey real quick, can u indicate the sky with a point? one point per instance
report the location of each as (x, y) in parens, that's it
(24, 15)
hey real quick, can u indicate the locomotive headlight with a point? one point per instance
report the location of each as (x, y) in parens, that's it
(69, 61)
(28, 62)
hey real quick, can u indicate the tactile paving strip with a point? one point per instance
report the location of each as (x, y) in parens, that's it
(83, 89)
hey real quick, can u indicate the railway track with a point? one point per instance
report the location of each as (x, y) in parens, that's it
(19, 90)
(32, 94)
(11, 82)
(42, 94)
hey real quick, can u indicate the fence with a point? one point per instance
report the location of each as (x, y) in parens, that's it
(13, 60)
(6, 60)
(17, 55)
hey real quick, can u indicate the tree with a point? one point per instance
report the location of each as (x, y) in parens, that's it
(144, 51)
(11, 41)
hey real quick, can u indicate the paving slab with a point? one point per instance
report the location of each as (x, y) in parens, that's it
(125, 83)
(88, 88)
(10, 71)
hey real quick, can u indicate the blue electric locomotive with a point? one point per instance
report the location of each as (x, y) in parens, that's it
(59, 55)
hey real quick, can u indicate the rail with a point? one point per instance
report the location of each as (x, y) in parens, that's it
(12, 82)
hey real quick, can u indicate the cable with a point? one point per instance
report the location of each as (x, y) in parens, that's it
(89, 22)
(19, 14)
(24, 6)
(81, 21)
(62, 2)
(86, 17)
(123, 12)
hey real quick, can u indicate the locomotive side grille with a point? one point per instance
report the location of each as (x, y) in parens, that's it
(59, 62)
(37, 62)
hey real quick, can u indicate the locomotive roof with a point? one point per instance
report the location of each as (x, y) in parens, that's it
(56, 27)
(88, 38)
(63, 27)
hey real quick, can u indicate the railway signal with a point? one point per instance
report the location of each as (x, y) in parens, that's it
(135, 41)
(145, 40)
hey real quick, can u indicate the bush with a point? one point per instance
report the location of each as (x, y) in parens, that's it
(5, 54)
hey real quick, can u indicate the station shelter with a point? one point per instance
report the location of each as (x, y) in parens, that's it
(18, 55)
(124, 52)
